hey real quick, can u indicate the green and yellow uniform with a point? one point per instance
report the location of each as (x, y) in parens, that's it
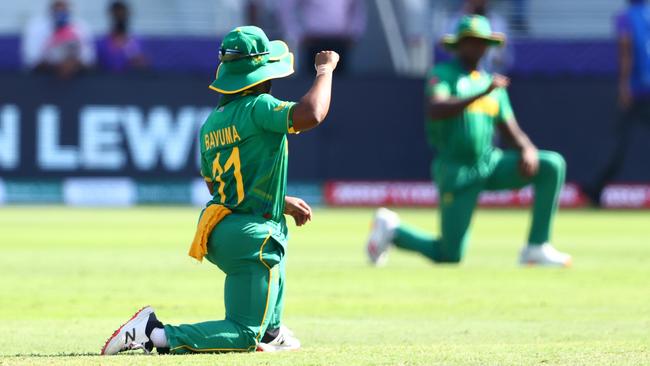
(468, 163)
(244, 154)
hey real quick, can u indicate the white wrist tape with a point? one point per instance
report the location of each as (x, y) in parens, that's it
(323, 69)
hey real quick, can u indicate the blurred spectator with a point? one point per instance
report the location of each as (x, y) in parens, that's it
(119, 51)
(317, 25)
(57, 43)
(633, 34)
(497, 60)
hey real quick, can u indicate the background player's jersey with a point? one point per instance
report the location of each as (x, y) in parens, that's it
(244, 153)
(467, 137)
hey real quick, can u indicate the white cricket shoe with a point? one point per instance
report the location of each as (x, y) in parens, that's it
(285, 341)
(381, 236)
(131, 335)
(544, 255)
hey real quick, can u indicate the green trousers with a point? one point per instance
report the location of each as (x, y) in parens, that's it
(457, 207)
(254, 265)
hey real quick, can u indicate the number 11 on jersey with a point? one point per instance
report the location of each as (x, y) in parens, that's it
(217, 170)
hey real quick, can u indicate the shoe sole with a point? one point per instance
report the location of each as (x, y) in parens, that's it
(567, 264)
(271, 349)
(117, 332)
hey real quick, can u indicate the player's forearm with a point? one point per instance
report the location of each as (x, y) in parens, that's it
(625, 61)
(624, 72)
(522, 142)
(314, 106)
(517, 138)
(450, 107)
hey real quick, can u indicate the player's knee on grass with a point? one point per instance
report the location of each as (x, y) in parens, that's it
(455, 227)
(451, 253)
(551, 162)
(450, 259)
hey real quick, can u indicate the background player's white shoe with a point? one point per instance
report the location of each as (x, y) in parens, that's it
(381, 235)
(544, 255)
(285, 341)
(131, 335)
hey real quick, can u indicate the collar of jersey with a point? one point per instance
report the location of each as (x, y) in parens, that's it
(227, 98)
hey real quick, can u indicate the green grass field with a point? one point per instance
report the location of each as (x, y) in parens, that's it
(69, 277)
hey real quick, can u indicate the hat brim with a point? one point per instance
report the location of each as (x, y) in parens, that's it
(280, 65)
(450, 41)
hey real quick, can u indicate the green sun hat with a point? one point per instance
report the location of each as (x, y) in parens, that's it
(248, 58)
(476, 26)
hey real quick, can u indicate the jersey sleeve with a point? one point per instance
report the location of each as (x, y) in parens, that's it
(437, 86)
(505, 108)
(622, 25)
(273, 115)
(206, 169)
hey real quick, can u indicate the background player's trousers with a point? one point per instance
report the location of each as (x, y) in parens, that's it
(457, 207)
(638, 114)
(253, 292)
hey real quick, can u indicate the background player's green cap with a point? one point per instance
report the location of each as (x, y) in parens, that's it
(476, 26)
(248, 58)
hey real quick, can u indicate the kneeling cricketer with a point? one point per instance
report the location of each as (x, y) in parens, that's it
(465, 105)
(243, 230)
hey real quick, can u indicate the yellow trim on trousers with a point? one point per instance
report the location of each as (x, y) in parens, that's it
(213, 349)
(268, 288)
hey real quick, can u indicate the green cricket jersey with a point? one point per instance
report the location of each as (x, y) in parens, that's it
(468, 137)
(244, 152)
(466, 152)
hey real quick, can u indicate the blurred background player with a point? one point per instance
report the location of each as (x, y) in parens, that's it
(465, 105)
(317, 25)
(633, 34)
(242, 230)
(496, 59)
(57, 43)
(120, 51)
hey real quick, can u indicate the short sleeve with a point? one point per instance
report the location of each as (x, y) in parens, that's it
(436, 86)
(273, 115)
(505, 108)
(622, 25)
(206, 172)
